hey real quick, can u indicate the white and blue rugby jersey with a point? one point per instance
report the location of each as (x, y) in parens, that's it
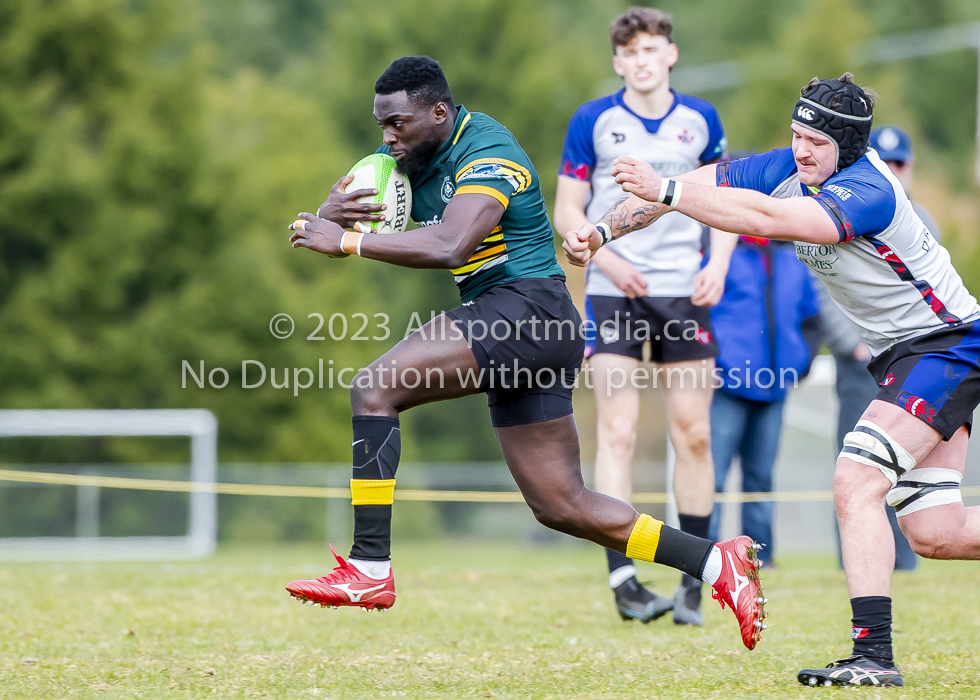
(668, 252)
(887, 274)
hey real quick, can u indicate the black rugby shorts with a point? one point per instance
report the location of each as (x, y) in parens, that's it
(678, 330)
(527, 339)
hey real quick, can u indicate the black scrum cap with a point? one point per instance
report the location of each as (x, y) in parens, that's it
(841, 111)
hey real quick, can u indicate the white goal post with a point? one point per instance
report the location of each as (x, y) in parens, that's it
(198, 424)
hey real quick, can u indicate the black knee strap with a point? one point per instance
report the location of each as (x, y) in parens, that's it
(924, 489)
(888, 464)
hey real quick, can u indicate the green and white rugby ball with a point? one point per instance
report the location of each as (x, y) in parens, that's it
(379, 171)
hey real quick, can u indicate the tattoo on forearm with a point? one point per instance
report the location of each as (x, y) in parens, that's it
(623, 218)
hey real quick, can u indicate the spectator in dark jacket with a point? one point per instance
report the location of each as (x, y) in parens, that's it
(767, 328)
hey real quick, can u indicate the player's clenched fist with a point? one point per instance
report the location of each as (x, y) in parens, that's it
(580, 244)
(637, 177)
(343, 209)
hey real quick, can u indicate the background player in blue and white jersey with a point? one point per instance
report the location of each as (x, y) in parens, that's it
(654, 277)
(855, 227)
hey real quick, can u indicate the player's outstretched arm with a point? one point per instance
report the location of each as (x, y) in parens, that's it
(631, 214)
(733, 209)
(467, 220)
(640, 208)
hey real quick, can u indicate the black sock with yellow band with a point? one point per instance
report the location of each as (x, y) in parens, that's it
(651, 540)
(377, 449)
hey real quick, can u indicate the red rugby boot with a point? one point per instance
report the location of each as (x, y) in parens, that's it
(346, 586)
(739, 588)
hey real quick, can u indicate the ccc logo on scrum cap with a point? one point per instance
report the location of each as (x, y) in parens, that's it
(805, 113)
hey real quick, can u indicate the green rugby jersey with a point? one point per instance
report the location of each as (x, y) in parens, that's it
(482, 157)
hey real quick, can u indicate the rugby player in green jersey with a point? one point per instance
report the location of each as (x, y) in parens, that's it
(483, 216)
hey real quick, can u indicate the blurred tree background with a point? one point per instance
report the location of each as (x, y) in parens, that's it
(152, 153)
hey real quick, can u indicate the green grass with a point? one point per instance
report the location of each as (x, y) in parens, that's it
(472, 620)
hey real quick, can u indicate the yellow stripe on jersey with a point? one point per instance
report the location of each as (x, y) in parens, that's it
(483, 189)
(516, 174)
(495, 236)
(492, 248)
(462, 126)
(473, 267)
(487, 253)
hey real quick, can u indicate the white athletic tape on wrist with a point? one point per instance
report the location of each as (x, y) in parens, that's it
(670, 192)
(870, 445)
(604, 231)
(925, 488)
(349, 247)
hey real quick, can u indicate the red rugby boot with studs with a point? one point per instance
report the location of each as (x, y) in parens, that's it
(346, 586)
(738, 587)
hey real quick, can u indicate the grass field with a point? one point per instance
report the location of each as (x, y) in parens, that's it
(472, 620)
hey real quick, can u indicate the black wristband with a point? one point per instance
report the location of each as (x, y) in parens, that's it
(604, 231)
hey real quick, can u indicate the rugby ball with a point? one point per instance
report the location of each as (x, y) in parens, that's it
(380, 172)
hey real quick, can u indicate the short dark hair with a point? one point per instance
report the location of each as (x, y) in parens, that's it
(640, 19)
(838, 99)
(420, 77)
